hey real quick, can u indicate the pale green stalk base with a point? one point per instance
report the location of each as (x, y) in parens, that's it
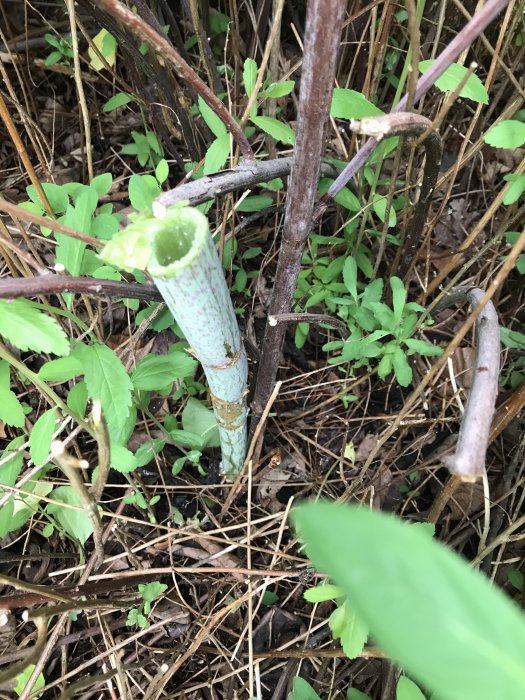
(186, 269)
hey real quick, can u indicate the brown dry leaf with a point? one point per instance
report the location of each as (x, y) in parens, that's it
(468, 499)
(366, 446)
(291, 468)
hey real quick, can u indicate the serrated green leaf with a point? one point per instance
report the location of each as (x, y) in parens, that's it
(275, 128)
(347, 626)
(349, 104)
(217, 154)
(451, 78)
(118, 100)
(75, 520)
(408, 690)
(198, 419)
(280, 89)
(214, 123)
(154, 372)
(41, 436)
(107, 380)
(325, 591)
(509, 133)
(121, 459)
(403, 584)
(249, 76)
(27, 328)
(142, 190)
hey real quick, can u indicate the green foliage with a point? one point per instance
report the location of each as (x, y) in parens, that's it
(118, 100)
(22, 679)
(63, 51)
(27, 328)
(452, 77)
(349, 104)
(403, 584)
(509, 133)
(145, 147)
(513, 374)
(69, 513)
(302, 690)
(149, 593)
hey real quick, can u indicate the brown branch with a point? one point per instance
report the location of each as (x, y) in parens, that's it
(468, 461)
(305, 317)
(241, 177)
(168, 53)
(409, 124)
(59, 284)
(322, 32)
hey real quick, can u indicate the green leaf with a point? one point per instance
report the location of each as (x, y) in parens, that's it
(77, 399)
(12, 461)
(350, 276)
(423, 348)
(349, 104)
(402, 369)
(509, 133)
(11, 411)
(408, 690)
(196, 418)
(213, 122)
(512, 339)
(107, 381)
(249, 76)
(516, 188)
(102, 183)
(275, 90)
(74, 520)
(302, 690)
(27, 328)
(57, 196)
(41, 436)
(399, 297)
(325, 591)
(379, 206)
(353, 694)
(347, 626)
(142, 190)
(23, 677)
(122, 460)
(256, 202)
(162, 171)
(155, 372)
(451, 78)
(118, 100)
(151, 591)
(276, 129)
(217, 154)
(107, 45)
(404, 584)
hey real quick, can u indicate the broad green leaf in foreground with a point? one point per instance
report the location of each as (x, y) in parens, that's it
(509, 133)
(107, 380)
(454, 632)
(349, 104)
(451, 78)
(27, 328)
(280, 131)
(70, 513)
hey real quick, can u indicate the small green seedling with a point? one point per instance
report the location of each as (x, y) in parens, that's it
(149, 592)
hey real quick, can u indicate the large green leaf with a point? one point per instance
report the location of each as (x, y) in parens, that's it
(349, 104)
(27, 328)
(41, 436)
(155, 372)
(509, 133)
(198, 419)
(70, 513)
(442, 621)
(451, 78)
(107, 380)
(212, 120)
(217, 154)
(273, 127)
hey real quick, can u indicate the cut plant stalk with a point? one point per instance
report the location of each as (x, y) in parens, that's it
(179, 253)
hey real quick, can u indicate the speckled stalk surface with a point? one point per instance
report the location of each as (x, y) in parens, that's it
(187, 271)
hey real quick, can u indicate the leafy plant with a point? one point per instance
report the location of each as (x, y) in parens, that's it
(149, 593)
(513, 373)
(145, 147)
(63, 51)
(509, 133)
(403, 584)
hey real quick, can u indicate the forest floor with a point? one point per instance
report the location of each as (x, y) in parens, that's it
(220, 611)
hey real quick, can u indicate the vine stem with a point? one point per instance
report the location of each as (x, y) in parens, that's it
(168, 52)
